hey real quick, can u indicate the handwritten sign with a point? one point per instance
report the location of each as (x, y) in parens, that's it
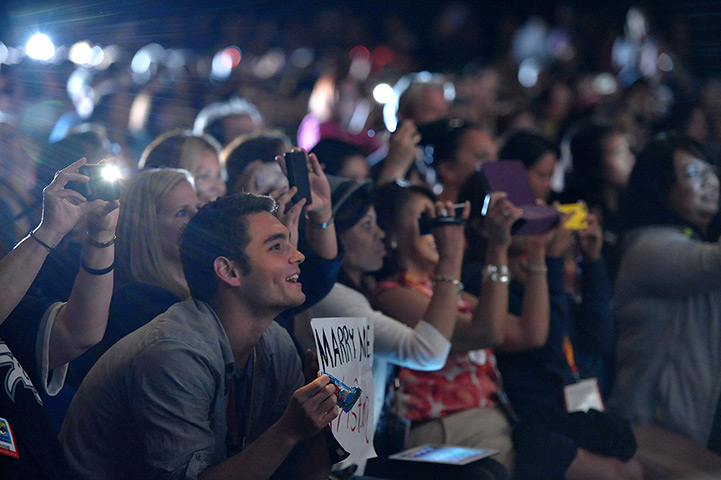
(345, 350)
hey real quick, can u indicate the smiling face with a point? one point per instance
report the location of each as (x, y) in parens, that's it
(364, 249)
(209, 183)
(695, 195)
(271, 282)
(174, 212)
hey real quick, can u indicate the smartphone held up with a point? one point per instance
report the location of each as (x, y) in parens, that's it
(297, 172)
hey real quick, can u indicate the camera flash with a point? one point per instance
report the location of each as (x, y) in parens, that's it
(111, 173)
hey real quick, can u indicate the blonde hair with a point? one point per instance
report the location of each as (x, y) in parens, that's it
(139, 248)
(178, 149)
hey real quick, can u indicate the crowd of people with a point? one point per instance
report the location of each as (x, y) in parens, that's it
(164, 332)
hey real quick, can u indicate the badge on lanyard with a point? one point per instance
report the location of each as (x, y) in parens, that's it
(7, 440)
(583, 396)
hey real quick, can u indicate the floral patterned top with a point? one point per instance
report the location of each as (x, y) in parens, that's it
(468, 379)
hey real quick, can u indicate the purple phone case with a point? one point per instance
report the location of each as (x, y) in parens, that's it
(510, 176)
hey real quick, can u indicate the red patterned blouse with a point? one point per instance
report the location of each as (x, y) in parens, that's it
(467, 380)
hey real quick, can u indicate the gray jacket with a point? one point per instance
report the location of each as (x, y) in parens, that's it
(668, 310)
(156, 404)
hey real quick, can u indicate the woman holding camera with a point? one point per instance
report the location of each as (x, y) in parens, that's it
(156, 205)
(462, 403)
(426, 346)
(668, 305)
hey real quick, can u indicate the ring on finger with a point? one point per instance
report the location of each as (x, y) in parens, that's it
(505, 213)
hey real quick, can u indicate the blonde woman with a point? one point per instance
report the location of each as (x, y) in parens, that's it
(198, 154)
(157, 204)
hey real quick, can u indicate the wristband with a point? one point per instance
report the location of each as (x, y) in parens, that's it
(96, 271)
(97, 244)
(323, 225)
(32, 235)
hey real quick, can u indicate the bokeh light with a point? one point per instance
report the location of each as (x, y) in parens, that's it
(40, 47)
(383, 93)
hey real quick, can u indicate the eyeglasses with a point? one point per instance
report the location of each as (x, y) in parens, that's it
(700, 171)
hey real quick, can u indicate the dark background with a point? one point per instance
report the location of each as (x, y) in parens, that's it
(693, 28)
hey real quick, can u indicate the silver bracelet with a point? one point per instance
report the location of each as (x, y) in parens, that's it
(449, 279)
(540, 269)
(496, 274)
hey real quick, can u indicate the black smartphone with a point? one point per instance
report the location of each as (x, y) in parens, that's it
(297, 171)
(103, 182)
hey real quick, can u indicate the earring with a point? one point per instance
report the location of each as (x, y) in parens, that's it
(394, 244)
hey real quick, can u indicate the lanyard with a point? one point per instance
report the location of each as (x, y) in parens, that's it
(235, 442)
(568, 351)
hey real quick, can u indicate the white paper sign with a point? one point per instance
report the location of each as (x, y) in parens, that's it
(345, 350)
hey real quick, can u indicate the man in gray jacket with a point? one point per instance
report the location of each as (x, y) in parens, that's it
(212, 388)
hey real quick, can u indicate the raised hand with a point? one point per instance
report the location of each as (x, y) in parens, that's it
(321, 210)
(63, 208)
(590, 239)
(449, 238)
(402, 148)
(499, 219)
(560, 239)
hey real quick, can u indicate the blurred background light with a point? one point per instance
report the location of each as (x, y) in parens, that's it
(302, 57)
(528, 72)
(665, 62)
(40, 47)
(80, 53)
(269, 64)
(221, 66)
(605, 84)
(383, 93)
